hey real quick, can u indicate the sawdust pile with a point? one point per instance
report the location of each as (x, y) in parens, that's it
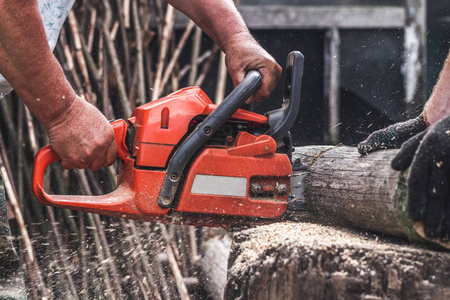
(257, 241)
(286, 260)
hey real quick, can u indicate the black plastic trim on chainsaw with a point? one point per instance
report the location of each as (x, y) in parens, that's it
(282, 119)
(202, 133)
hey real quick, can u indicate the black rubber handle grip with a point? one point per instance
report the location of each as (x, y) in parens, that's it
(282, 119)
(202, 133)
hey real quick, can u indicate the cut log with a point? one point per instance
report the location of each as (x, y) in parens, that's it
(309, 261)
(344, 188)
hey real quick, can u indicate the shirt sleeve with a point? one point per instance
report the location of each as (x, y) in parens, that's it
(53, 13)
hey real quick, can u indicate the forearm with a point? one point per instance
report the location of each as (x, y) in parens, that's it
(27, 62)
(220, 19)
(438, 105)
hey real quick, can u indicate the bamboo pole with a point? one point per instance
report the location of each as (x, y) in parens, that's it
(207, 66)
(139, 55)
(109, 259)
(80, 57)
(196, 45)
(20, 157)
(84, 276)
(140, 251)
(126, 13)
(193, 244)
(7, 117)
(123, 98)
(176, 54)
(187, 68)
(101, 256)
(136, 272)
(123, 12)
(90, 39)
(221, 79)
(29, 250)
(169, 21)
(62, 253)
(66, 54)
(181, 286)
(155, 249)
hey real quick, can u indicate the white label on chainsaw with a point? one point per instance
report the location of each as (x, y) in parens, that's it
(219, 185)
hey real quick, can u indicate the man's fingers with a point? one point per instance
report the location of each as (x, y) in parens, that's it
(437, 194)
(111, 154)
(270, 79)
(67, 165)
(237, 76)
(405, 156)
(249, 100)
(70, 164)
(97, 163)
(261, 94)
(106, 158)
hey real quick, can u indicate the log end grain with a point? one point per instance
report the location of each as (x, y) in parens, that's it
(309, 261)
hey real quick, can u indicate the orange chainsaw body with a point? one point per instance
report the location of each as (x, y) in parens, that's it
(184, 160)
(159, 127)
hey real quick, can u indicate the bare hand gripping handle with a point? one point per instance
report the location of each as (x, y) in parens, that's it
(46, 156)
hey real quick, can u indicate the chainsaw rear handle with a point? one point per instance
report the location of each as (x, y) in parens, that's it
(202, 133)
(282, 119)
(46, 156)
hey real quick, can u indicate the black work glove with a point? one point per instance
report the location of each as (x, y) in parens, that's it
(392, 136)
(428, 153)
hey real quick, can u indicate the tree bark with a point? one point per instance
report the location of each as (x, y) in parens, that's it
(344, 188)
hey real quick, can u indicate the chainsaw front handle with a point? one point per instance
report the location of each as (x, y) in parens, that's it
(202, 133)
(282, 119)
(46, 156)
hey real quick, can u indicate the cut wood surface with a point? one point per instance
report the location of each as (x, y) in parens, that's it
(310, 261)
(344, 188)
(323, 256)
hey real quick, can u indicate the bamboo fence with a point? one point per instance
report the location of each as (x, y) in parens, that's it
(118, 55)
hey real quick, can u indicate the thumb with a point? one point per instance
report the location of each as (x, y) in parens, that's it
(406, 154)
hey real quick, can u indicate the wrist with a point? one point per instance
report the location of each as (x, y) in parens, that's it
(47, 93)
(67, 110)
(433, 114)
(48, 110)
(236, 40)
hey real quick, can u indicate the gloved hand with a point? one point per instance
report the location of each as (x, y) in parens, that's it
(392, 136)
(428, 153)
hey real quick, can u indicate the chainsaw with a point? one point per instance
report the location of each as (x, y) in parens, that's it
(184, 160)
